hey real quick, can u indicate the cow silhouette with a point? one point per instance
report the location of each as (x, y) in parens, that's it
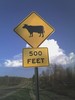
(37, 29)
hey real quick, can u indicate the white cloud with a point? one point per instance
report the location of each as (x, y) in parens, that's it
(72, 58)
(53, 47)
(16, 61)
(13, 63)
(19, 56)
(56, 55)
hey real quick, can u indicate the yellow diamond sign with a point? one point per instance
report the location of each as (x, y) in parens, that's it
(34, 29)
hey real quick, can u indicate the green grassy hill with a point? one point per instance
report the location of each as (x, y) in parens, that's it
(12, 81)
(22, 94)
(17, 88)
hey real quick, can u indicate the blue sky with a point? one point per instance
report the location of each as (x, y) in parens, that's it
(59, 13)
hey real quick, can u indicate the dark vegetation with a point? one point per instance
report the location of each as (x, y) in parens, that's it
(11, 81)
(58, 80)
(22, 94)
(15, 88)
(55, 83)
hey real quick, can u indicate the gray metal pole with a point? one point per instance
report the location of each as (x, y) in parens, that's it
(36, 83)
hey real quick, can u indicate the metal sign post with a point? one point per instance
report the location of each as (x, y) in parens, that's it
(36, 83)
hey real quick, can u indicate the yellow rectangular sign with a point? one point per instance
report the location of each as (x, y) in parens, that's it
(35, 57)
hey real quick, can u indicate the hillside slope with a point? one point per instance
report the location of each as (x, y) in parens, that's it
(17, 88)
(9, 86)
